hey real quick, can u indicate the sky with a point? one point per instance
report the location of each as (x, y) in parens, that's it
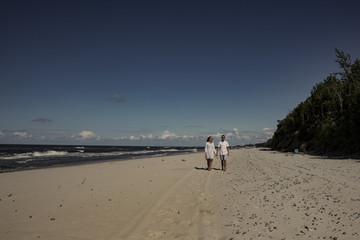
(168, 73)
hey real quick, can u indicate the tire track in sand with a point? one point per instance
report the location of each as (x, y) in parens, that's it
(184, 211)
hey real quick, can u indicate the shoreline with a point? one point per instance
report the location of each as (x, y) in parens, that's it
(262, 195)
(50, 163)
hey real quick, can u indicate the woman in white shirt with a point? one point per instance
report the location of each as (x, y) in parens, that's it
(209, 152)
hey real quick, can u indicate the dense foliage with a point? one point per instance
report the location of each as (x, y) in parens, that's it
(327, 122)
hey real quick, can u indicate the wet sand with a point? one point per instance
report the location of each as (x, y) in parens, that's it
(262, 195)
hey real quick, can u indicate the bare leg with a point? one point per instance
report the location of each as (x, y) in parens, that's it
(224, 164)
(210, 164)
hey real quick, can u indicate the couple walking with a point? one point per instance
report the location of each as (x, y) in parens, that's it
(210, 152)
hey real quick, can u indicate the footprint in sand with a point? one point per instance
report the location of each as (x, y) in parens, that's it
(192, 205)
(156, 234)
(170, 220)
(164, 212)
(207, 222)
(185, 223)
(206, 212)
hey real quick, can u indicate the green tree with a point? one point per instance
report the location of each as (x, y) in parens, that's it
(328, 120)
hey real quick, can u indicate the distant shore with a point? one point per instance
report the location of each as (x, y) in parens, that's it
(262, 195)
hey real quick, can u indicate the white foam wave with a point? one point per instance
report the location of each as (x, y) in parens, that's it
(169, 150)
(17, 156)
(49, 153)
(110, 154)
(80, 152)
(25, 161)
(36, 154)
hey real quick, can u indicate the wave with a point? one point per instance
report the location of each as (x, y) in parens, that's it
(49, 153)
(36, 154)
(24, 156)
(25, 161)
(81, 152)
(169, 150)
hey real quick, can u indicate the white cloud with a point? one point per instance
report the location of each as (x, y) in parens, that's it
(236, 137)
(229, 135)
(188, 137)
(168, 135)
(149, 137)
(21, 135)
(86, 135)
(132, 138)
(269, 131)
(244, 137)
(217, 135)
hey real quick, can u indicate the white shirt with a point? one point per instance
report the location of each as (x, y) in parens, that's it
(210, 150)
(223, 145)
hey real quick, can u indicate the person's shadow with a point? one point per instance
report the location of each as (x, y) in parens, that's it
(217, 169)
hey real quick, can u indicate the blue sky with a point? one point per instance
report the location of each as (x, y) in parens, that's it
(163, 72)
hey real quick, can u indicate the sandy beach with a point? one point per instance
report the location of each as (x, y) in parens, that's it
(263, 195)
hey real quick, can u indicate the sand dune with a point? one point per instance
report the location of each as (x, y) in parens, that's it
(263, 195)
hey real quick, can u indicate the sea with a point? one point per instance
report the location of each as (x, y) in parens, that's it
(23, 157)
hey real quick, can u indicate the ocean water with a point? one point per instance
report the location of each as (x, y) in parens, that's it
(21, 157)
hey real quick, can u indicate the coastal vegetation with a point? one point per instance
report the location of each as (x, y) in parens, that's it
(327, 122)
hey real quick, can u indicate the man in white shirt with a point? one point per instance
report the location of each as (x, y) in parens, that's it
(223, 147)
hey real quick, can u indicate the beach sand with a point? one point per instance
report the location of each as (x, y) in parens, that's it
(263, 195)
